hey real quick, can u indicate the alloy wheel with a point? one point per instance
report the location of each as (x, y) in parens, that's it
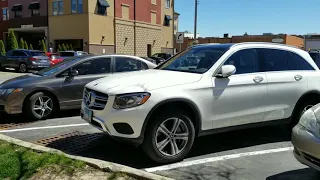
(43, 106)
(172, 137)
(22, 68)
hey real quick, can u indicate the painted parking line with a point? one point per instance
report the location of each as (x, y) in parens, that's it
(214, 159)
(44, 127)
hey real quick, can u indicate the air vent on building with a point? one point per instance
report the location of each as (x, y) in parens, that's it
(226, 35)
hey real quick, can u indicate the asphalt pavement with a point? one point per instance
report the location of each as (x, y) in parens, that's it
(251, 154)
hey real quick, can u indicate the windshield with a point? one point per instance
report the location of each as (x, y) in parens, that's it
(58, 67)
(37, 53)
(194, 60)
(66, 54)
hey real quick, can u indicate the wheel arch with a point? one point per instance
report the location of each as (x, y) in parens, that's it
(186, 105)
(44, 90)
(305, 96)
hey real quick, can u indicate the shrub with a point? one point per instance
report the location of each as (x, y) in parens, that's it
(12, 40)
(2, 48)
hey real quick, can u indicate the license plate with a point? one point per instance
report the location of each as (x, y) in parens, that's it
(87, 114)
(43, 61)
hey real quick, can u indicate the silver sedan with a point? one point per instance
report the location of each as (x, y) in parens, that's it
(306, 138)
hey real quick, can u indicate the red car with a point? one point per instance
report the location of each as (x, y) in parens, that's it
(54, 58)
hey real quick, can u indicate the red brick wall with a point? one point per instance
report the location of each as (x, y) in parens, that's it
(143, 10)
(118, 8)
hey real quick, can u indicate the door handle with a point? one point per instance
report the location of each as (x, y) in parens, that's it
(258, 79)
(297, 77)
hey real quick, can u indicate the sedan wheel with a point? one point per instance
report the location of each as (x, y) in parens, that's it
(43, 106)
(40, 106)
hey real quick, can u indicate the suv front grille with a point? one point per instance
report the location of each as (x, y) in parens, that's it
(95, 100)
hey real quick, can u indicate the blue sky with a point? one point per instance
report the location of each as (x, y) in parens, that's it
(216, 17)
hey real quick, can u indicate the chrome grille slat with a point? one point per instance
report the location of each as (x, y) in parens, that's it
(98, 103)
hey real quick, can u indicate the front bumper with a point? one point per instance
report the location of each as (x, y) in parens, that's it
(12, 103)
(306, 147)
(125, 125)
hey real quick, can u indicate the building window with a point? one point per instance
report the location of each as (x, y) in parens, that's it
(102, 7)
(76, 6)
(35, 12)
(175, 27)
(176, 17)
(167, 20)
(167, 3)
(153, 18)
(57, 8)
(5, 14)
(125, 11)
(34, 7)
(17, 9)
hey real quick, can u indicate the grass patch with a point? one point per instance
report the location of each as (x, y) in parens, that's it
(21, 163)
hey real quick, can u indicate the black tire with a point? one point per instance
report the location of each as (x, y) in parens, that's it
(300, 109)
(30, 104)
(23, 68)
(149, 144)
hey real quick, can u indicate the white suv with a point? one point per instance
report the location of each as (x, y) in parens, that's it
(231, 86)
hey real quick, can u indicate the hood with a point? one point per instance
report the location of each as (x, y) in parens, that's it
(19, 81)
(142, 81)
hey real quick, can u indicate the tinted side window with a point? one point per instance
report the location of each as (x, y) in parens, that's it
(302, 63)
(144, 65)
(96, 66)
(124, 64)
(277, 60)
(245, 61)
(19, 53)
(10, 53)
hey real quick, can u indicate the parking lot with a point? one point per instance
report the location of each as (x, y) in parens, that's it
(261, 153)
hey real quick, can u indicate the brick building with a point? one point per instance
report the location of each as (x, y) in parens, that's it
(4, 17)
(281, 38)
(135, 27)
(29, 20)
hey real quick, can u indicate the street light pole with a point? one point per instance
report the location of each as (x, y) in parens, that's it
(195, 19)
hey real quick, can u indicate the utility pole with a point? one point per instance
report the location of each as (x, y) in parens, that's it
(195, 19)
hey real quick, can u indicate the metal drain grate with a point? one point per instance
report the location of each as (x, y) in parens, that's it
(73, 142)
(11, 125)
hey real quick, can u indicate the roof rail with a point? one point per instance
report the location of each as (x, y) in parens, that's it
(243, 43)
(205, 44)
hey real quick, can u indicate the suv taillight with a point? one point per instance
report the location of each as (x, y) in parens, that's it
(33, 59)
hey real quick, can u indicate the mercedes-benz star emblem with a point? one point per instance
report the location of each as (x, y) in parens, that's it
(91, 99)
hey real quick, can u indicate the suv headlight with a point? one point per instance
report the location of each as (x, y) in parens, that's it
(310, 122)
(9, 91)
(124, 101)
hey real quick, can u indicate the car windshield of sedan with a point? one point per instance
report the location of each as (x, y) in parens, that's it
(58, 67)
(194, 60)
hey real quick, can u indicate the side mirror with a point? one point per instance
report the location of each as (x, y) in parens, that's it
(73, 73)
(226, 71)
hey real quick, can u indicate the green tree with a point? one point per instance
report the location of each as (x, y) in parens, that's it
(59, 48)
(31, 47)
(12, 40)
(21, 44)
(2, 48)
(67, 46)
(64, 48)
(43, 46)
(71, 47)
(26, 45)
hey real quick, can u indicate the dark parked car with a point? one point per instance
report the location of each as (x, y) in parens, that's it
(315, 55)
(23, 60)
(160, 57)
(41, 94)
(67, 54)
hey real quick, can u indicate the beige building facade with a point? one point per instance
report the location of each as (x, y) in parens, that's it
(133, 27)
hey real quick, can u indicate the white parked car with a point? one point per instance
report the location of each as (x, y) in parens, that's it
(232, 86)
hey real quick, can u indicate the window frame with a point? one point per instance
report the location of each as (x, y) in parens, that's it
(233, 53)
(168, 4)
(35, 14)
(77, 10)
(17, 14)
(115, 64)
(59, 10)
(5, 15)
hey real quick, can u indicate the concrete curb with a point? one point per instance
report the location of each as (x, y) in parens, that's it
(103, 165)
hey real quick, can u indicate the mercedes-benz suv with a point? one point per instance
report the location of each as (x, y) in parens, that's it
(232, 86)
